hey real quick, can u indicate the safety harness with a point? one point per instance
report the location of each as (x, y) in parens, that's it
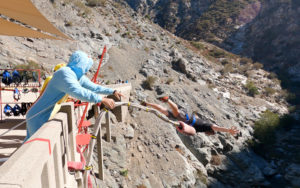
(190, 121)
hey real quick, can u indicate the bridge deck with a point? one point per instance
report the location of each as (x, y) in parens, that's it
(14, 139)
(10, 142)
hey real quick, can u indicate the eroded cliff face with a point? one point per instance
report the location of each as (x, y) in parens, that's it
(274, 36)
(267, 31)
(171, 15)
(199, 19)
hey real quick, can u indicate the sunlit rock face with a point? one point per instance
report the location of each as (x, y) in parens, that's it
(267, 31)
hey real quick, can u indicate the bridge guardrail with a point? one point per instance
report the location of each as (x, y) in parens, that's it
(42, 161)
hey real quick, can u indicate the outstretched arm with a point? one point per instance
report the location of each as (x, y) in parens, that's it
(88, 84)
(233, 130)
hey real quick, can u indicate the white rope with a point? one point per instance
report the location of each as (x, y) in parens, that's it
(18, 125)
(147, 109)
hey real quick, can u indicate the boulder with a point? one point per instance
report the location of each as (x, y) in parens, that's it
(181, 65)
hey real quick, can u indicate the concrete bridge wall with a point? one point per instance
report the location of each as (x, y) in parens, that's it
(42, 161)
(42, 164)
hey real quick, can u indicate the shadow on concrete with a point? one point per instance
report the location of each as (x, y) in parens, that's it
(9, 123)
(10, 142)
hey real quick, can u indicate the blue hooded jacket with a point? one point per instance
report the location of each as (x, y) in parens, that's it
(67, 80)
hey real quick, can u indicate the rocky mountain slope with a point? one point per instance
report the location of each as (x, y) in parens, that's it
(147, 152)
(267, 31)
(195, 20)
(273, 36)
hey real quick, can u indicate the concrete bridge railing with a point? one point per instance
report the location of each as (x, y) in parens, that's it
(42, 161)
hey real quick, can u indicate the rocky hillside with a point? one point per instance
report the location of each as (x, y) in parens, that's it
(199, 19)
(267, 31)
(273, 37)
(221, 87)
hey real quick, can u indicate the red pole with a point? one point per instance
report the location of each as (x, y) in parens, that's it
(93, 80)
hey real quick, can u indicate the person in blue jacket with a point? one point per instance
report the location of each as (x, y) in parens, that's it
(69, 80)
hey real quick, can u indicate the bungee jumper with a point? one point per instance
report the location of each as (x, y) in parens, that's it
(188, 124)
(69, 80)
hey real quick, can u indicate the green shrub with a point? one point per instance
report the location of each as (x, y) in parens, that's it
(251, 88)
(264, 128)
(93, 3)
(124, 172)
(245, 60)
(242, 69)
(217, 53)
(269, 91)
(257, 66)
(149, 82)
(147, 17)
(153, 39)
(197, 45)
(227, 69)
(225, 61)
(214, 21)
(272, 75)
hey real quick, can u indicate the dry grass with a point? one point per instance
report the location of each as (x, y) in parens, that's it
(228, 68)
(215, 160)
(149, 82)
(257, 66)
(269, 91)
(110, 68)
(169, 81)
(94, 3)
(83, 10)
